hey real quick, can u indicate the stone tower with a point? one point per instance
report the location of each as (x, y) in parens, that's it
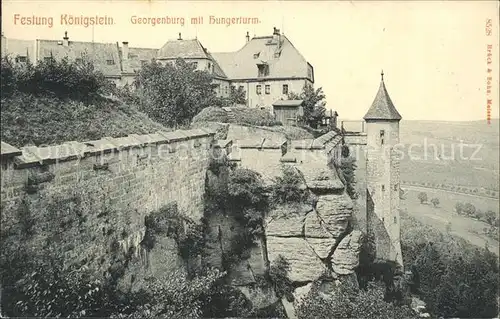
(382, 175)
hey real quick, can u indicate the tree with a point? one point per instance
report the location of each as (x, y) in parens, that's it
(435, 201)
(459, 207)
(173, 94)
(469, 209)
(422, 196)
(237, 96)
(491, 217)
(314, 104)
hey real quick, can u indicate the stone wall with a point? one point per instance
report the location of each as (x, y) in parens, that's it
(114, 183)
(141, 172)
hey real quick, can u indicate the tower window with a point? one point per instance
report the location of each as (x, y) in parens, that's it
(395, 220)
(383, 187)
(382, 135)
(285, 88)
(268, 89)
(258, 89)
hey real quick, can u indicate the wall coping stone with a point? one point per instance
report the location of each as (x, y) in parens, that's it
(32, 155)
(273, 144)
(8, 150)
(223, 143)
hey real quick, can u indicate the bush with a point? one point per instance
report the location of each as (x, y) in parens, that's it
(288, 188)
(167, 221)
(62, 78)
(237, 115)
(347, 168)
(348, 302)
(422, 197)
(278, 273)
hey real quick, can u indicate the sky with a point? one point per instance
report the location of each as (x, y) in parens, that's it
(433, 54)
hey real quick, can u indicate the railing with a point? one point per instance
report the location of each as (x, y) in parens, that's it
(348, 126)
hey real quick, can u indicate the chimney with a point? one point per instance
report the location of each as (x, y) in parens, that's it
(180, 38)
(65, 39)
(125, 50)
(248, 36)
(277, 36)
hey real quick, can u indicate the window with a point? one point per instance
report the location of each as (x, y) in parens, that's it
(194, 64)
(233, 88)
(268, 89)
(209, 66)
(382, 135)
(110, 62)
(395, 187)
(383, 187)
(240, 88)
(277, 55)
(258, 89)
(395, 220)
(21, 59)
(263, 69)
(285, 88)
(225, 90)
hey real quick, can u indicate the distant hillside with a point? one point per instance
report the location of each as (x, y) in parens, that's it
(436, 157)
(30, 120)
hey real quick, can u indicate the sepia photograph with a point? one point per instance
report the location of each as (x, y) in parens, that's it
(250, 159)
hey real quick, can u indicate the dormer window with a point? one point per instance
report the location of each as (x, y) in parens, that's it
(110, 62)
(263, 69)
(256, 55)
(277, 55)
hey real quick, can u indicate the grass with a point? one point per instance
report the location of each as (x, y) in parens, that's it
(30, 120)
(439, 217)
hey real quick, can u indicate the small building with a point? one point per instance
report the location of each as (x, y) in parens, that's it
(288, 112)
(329, 121)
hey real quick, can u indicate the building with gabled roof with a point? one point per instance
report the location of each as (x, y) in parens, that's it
(267, 68)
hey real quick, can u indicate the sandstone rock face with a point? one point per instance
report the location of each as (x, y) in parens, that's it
(308, 236)
(316, 239)
(346, 257)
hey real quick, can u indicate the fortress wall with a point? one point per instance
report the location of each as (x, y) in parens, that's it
(130, 176)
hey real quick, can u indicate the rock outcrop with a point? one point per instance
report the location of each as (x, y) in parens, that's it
(318, 238)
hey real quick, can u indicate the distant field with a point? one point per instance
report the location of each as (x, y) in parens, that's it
(445, 153)
(439, 217)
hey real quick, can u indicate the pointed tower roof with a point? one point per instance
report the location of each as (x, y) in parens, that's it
(382, 107)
